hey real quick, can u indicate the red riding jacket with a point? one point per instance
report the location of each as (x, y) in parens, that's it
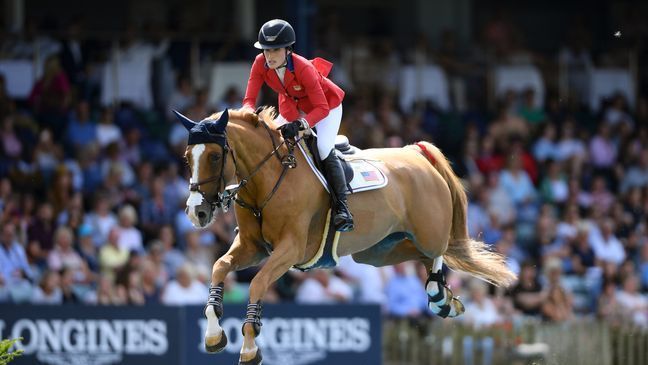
(305, 87)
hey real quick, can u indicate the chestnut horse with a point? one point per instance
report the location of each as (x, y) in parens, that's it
(281, 209)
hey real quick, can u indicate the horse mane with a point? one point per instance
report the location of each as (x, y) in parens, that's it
(268, 114)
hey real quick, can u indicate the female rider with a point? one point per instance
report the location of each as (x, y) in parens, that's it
(307, 98)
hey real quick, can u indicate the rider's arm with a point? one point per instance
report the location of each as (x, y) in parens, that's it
(254, 83)
(310, 79)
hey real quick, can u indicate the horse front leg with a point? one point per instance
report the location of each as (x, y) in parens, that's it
(281, 260)
(239, 256)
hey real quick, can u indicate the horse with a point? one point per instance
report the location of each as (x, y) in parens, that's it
(238, 157)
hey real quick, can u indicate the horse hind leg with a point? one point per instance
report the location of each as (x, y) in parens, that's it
(441, 300)
(394, 250)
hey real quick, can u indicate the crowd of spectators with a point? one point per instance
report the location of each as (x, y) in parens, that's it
(92, 197)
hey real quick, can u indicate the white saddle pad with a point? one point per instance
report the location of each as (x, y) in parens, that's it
(366, 174)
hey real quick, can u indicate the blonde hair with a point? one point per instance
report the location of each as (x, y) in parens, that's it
(128, 212)
(63, 230)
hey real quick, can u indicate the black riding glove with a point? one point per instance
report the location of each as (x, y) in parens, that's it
(291, 130)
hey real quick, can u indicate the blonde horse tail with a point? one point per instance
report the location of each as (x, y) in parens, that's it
(464, 253)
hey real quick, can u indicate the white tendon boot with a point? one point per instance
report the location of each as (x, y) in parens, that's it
(441, 300)
(215, 338)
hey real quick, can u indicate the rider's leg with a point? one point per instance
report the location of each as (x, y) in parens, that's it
(327, 130)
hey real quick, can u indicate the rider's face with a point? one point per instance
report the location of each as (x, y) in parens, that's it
(275, 57)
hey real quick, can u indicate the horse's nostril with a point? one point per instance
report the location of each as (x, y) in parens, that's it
(202, 215)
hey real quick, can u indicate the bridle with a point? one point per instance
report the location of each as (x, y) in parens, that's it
(230, 193)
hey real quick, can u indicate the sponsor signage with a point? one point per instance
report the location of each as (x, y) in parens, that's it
(291, 334)
(75, 335)
(297, 335)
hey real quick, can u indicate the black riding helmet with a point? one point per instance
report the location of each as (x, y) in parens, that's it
(275, 33)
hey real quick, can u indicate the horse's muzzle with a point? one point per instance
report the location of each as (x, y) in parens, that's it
(200, 215)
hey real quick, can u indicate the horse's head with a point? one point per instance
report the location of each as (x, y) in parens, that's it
(206, 154)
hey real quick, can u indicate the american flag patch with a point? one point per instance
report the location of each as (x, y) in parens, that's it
(369, 176)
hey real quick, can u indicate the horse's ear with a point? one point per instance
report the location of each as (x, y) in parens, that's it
(218, 126)
(186, 122)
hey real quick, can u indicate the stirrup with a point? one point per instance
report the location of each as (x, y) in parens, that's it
(346, 224)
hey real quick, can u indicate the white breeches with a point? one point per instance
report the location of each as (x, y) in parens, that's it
(327, 130)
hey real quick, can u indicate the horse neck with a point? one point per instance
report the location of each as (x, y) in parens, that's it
(251, 145)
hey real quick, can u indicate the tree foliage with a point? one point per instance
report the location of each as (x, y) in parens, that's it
(6, 355)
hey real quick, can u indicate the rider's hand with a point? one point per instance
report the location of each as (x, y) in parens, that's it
(291, 130)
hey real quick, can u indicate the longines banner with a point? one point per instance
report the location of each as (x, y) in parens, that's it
(296, 335)
(291, 334)
(76, 335)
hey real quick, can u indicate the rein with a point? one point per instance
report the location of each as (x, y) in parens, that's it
(288, 161)
(230, 193)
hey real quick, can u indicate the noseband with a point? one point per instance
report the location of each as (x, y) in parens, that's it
(194, 186)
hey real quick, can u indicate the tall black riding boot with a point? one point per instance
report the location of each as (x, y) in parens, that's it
(342, 219)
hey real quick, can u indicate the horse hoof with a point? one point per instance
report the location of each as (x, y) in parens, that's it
(214, 345)
(458, 306)
(453, 309)
(257, 360)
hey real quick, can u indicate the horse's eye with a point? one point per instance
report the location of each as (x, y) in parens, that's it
(214, 157)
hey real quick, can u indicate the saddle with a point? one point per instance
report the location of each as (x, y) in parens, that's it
(361, 174)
